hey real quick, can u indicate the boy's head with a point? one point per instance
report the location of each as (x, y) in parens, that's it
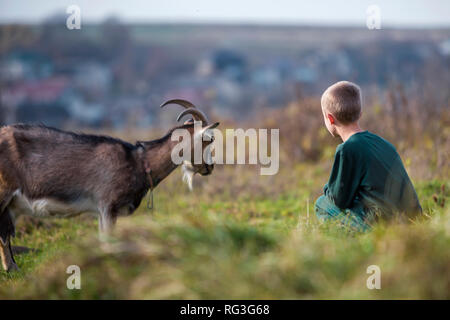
(341, 105)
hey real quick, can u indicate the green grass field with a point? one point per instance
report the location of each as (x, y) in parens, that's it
(237, 236)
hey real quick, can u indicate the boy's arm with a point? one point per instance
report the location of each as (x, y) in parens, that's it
(344, 179)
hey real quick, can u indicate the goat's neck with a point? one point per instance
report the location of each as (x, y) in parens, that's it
(157, 159)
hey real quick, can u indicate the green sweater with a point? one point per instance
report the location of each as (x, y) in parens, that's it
(368, 172)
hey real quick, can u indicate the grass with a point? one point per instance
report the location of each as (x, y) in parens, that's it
(48, 239)
(238, 236)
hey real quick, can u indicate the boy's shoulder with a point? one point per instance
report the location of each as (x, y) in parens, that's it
(366, 142)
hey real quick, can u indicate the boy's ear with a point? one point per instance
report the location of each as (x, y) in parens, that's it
(331, 118)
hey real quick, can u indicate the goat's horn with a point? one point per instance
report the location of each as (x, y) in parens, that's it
(197, 114)
(184, 103)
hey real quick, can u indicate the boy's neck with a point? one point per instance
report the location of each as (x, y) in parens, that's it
(345, 132)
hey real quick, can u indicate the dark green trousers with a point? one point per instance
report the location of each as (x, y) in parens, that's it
(355, 217)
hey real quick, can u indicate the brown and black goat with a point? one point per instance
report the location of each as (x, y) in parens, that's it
(48, 172)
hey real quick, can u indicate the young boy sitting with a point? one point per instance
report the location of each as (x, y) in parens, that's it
(368, 178)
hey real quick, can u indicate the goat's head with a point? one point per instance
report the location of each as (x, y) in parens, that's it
(205, 136)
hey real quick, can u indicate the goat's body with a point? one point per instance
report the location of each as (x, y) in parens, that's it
(48, 172)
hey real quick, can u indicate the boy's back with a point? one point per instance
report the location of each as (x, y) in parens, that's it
(368, 176)
(368, 171)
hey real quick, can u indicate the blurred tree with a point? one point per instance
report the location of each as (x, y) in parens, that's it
(12, 36)
(117, 45)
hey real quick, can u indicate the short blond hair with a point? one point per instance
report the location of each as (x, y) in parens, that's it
(343, 100)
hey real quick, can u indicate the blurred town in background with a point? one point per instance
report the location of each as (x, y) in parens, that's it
(115, 75)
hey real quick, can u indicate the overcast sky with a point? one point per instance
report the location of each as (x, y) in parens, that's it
(407, 13)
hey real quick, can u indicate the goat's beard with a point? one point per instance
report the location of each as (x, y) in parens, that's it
(188, 173)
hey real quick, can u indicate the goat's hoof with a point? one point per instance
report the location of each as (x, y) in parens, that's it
(12, 268)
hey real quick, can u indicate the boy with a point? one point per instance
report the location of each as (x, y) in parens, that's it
(368, 177)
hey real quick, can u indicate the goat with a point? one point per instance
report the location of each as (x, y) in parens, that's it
(49, 172)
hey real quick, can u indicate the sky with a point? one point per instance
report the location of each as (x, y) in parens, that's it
(402, 13)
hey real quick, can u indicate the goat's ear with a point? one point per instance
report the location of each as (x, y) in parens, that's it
(205, 129)
(211, 126)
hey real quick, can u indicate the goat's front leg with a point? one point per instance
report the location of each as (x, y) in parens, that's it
(106, 223)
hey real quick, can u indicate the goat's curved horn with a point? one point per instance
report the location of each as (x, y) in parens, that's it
(197, 114)
(184, 103)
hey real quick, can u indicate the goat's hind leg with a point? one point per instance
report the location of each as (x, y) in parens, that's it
(6, 231)
(106, 223)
